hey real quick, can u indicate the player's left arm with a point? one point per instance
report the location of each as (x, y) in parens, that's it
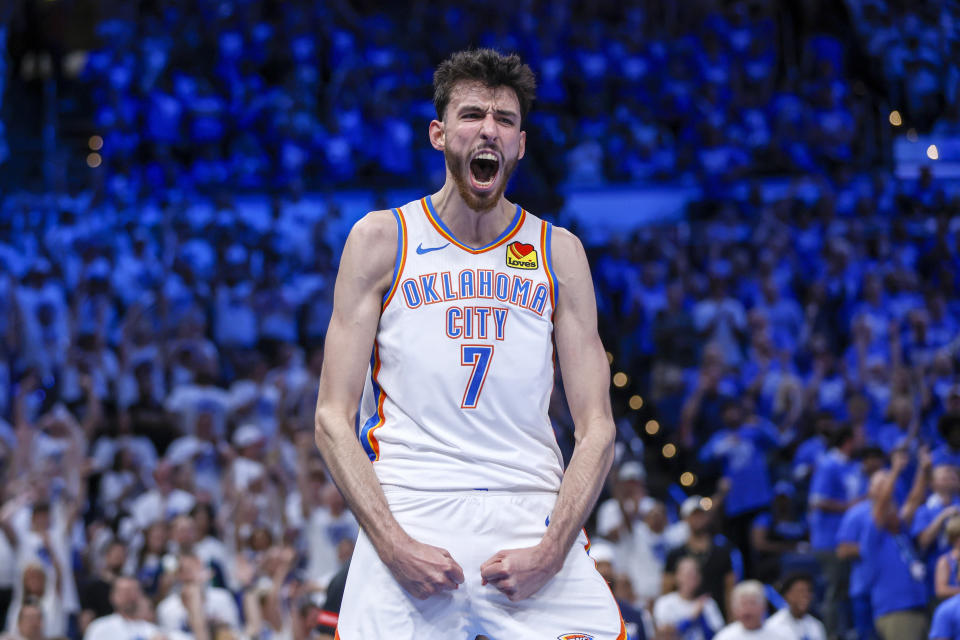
(519, 573)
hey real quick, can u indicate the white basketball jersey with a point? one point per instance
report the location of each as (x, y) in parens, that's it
(462, 366)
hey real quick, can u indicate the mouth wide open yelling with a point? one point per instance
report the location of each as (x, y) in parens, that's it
(482, 180)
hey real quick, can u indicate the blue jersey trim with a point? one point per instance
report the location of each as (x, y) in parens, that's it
(372, 421)
(548, 265)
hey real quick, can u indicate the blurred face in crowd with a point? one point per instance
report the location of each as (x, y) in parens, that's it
(748, 609)
(183, 531)
(125, 596)
(34, 581)
(945, 479)
(798, 597)
(481, 141)
(201, 522)
(675, 295)
(156, 537)
(859, 408)
(872, 464)
(901, 411)
(163, 475)
(114, 557)
(782, 505)
(698, 521)
(30, 622)
(656, 517)
(688, 577)
(40, 518)
(204, 429)
(260, 539)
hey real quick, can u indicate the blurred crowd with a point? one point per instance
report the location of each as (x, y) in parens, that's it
(255, 95)
(797, 349)
(784, 353)
(789, 408)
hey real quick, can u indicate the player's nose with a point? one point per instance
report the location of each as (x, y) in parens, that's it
(488, 127)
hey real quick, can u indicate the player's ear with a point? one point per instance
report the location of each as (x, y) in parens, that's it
(436, 135)
(523, 144)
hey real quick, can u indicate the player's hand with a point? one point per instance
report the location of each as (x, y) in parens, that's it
(520, 573)
(424, 570)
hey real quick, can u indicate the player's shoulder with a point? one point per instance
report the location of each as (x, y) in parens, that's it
(375, 228)
(568, 256)
(564, 241)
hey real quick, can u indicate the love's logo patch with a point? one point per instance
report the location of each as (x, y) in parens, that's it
(521, 256)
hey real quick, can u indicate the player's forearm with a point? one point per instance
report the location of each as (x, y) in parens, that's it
(582, 481)
(353, 474)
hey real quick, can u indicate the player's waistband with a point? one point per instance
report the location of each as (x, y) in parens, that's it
(392, 489)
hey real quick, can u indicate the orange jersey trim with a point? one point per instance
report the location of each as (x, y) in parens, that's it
(381, 396)
(545, 251)
(401, 258)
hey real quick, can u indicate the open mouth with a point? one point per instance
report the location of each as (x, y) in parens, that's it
(484, 168)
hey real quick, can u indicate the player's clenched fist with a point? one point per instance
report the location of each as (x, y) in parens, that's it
(424, 570)
(519, 573)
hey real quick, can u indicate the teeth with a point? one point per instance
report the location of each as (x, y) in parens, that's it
(486, 155)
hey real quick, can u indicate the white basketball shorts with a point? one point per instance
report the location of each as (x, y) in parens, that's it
(575, 604)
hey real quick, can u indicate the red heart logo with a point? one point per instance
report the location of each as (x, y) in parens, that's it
(519, 249)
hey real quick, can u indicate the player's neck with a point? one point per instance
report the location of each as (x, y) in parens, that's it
(471, 227)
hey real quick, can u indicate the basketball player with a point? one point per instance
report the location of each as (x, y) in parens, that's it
(469, 523)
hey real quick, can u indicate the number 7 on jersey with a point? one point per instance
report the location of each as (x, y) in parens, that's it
(477, 356)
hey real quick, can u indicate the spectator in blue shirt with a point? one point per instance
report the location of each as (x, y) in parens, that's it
(741, 446)
(946, 580)
(894, 570)
(776, 532)
(943, 503)
(946, 620)
(833, 489)
(852, 526)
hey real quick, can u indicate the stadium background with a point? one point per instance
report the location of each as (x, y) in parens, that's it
(767, 191)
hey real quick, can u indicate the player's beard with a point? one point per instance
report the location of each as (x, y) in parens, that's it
(459, 166)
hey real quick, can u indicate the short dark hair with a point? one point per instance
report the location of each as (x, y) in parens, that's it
(872, 452)
(841, 436)
(793, 578)
(947, 423)
(489, 67)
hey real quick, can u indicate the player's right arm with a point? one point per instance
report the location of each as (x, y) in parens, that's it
(366, 272)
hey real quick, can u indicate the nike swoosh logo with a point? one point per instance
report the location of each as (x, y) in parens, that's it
(421, 250)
